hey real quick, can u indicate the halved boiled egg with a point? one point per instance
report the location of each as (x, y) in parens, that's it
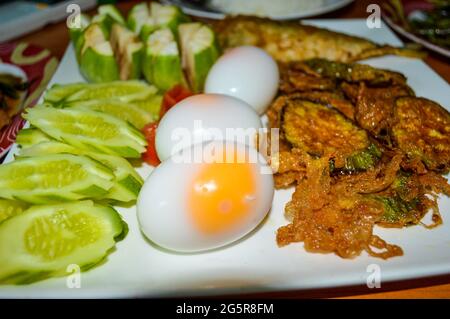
(205, 197)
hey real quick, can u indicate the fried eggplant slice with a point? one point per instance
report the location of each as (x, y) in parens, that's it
(296, 77)
(292, 41)
(322, 131)
(354, 72)
(421, 128)
(374, 106)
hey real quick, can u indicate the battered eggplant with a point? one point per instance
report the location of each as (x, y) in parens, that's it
(421, 128)
(293, 41)
(374, 106)
(323, 131)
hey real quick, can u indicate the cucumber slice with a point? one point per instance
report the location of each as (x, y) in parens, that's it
(31, 136)
(54, 178)
(58, 92)
(151, 105)
(162, 63)
(167, 16)
(137, 17)
(11, 208)
(127, 182)
(199, 52)
(128, 112)
(112, 11)
(44, 240)
(124, 91)
(90, 130)
(97, 62)
(128, 50)
(76, 31)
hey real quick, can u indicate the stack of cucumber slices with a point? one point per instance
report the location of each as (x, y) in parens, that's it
(156, 42)
(72, 164)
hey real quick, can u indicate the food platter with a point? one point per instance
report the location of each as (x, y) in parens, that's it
(137, 268)
(206, 12)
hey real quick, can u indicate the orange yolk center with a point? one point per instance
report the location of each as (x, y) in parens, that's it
(222, 196)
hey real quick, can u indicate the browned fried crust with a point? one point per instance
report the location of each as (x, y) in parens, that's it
(293, 41)
(421, 128)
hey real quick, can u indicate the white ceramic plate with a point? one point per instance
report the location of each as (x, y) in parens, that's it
(207, 12)
(255, 264)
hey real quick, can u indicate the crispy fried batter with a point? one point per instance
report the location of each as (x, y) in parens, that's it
(293, 41)
(327, 218)
(374, 106)
(333, 208)
(421, 128)
(319, 131)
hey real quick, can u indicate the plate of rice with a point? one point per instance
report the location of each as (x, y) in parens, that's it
(278, 10)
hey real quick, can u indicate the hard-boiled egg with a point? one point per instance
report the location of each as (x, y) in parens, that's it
(189, 204)
(206, 117)
(248, 73)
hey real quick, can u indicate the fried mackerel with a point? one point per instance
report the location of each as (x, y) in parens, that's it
(293, 41)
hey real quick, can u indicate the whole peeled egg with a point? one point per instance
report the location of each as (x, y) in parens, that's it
(206, 117)
(190, 206)
(248, 73)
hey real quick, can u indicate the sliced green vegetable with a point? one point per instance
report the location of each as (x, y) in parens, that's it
(151, 105)
(127, 182)
(167, 16)
(137, 17)
(76, 32)
(46, 241)
(128, 50)
(31, 136)
(112, 11)
(11, 208)
(90, 130)
(97, 62)
(128, 112)
(58, 92)
(54, 178)
(124, 91)
(162, 63)
(199, 52)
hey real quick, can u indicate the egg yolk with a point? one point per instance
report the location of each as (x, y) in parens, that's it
(222, 196)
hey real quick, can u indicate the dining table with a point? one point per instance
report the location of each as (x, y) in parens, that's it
(55, 38)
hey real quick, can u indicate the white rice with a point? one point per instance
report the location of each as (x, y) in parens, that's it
(266, 8)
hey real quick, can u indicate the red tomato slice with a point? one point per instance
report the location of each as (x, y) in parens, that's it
(150, 155)
(171, 97)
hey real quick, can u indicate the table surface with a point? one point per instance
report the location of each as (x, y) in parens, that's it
(55, 38)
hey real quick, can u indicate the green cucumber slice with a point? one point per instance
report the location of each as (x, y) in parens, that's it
(44, 241)
(58, 92)
(54, 178)
(137, 17)
(128, 112)
(97, 62)
(128, 50)
(167, 16)
(127, 182)
(90, 130)
(162, 63)
(199, 52)
(112, 11)
(30, 136)
(151, 105)
(124, 91)
(11, 208)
